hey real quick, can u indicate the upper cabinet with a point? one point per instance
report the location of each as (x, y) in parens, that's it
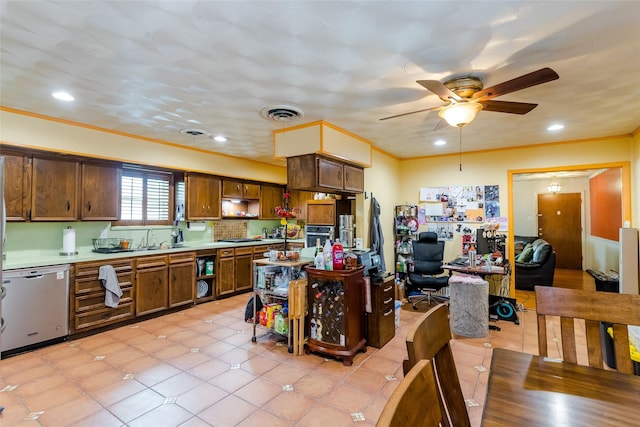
(298, 202)
(235, 189)
(17, 186)
(100, 192)
(203, 197)
(313, 172)
(270, 197)
(54, 195)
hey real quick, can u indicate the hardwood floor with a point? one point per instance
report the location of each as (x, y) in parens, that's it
(571, 279)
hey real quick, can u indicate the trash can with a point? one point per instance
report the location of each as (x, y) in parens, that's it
(605, 282)
(398, 306)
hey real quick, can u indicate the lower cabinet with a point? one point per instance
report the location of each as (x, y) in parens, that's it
(225, 283)
(381, 322)
(152, 284)
(244, 268)
(88, 309)
(182, 278)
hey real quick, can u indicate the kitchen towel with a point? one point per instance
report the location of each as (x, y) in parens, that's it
(107, 274)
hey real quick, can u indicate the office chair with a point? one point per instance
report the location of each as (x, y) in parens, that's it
(426, 277)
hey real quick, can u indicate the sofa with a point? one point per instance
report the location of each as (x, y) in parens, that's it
(535, 262)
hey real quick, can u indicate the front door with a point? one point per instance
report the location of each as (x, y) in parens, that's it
(560, 224)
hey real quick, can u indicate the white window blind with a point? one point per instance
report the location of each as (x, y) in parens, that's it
(145, 197)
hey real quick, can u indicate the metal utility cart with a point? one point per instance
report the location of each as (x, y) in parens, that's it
(280, 282)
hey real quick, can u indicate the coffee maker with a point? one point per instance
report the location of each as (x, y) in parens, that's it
(347, 231)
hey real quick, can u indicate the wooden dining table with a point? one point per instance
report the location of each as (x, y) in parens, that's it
(529, 390)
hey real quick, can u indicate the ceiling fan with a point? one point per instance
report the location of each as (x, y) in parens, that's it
(465, 96)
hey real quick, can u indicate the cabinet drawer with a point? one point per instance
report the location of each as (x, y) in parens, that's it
(97, 318)
(151, 261)
(95, 300)
(92, 268)
(260, 249)
(224, 253)
(90, 284)
(387, 325)
(383, 297)
(244, 250)
(183, 257)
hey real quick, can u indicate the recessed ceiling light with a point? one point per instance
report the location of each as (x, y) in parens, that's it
(220, 138)
(440, 142)
(556, 126)
(63, 96)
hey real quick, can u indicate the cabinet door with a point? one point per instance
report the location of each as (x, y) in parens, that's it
(298, 202)
(17, 187)
(270, 197)
(152, 289)
(251, 191)
(321, 212)
(232, 188)
(330, 174)
(53, 192)
(181, 283)
(243, 272)
(100, 192)
(353, 178)
(225, 283)
(203, 197)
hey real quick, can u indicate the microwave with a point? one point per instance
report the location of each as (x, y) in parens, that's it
(314, 232)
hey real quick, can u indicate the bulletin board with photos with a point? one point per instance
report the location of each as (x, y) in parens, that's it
(459, 209)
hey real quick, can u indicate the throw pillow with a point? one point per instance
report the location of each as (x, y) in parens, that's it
(526, 255)
(541, 254)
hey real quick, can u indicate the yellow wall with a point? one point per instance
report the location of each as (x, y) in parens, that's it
(32, 132)
(635, 179)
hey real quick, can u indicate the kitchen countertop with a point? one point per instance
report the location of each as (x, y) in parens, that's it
(35, 258)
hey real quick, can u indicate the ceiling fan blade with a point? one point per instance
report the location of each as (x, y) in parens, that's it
(507, 107)
(540, 76)
(439, 89)
(441, 124)
(411, 112)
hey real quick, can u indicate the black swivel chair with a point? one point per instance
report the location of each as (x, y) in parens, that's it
(426, 276)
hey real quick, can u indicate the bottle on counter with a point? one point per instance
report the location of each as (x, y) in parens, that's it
(328, 255)
(472, 256)
(318, 259)
(337, 251)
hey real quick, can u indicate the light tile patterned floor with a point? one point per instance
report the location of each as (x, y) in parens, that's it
(198, 367)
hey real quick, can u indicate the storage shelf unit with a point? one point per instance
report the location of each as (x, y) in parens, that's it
(405, 231)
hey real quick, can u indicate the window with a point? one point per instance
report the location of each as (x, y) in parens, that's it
(145, 197)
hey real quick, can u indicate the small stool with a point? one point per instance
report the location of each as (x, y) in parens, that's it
(469, 306)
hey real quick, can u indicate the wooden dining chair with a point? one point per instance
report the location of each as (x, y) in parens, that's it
(416, 401)
(429, 338)
(593, 307)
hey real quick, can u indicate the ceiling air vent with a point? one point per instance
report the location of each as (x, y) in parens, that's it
(194, 132)
(281, 113)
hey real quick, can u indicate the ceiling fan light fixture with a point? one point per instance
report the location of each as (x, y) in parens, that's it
(554, 187)
(460, 113)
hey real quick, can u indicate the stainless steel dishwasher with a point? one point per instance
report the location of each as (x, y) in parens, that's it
(36, 306)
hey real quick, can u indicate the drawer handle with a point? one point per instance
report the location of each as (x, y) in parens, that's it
(388, 312)
(388, 301)
(388, 289)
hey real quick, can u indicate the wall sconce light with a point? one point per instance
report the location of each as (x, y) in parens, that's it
(554, 187)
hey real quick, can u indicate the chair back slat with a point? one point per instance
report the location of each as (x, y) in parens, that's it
(594, 308)
(429, 338)
(416, 400)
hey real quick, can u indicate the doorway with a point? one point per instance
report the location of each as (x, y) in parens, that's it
(560, 224)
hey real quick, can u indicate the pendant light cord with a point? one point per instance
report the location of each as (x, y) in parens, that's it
(460, 148)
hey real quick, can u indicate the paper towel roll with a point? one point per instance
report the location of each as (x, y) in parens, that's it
(69, 241)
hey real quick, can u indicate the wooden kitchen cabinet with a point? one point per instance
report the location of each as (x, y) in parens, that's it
(203, 197)
(312, 172)
(321, 212)
(381, 322)
(100, 197)
(336, 313)
(182, 275)
(88, 310)
(243, 266)
(17, 186)
(240, 190)
(270, 197)
(298, 202)
(225, 276)
(54, 195)
(152, 284)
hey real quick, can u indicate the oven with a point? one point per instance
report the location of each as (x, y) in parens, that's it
(314, 232)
